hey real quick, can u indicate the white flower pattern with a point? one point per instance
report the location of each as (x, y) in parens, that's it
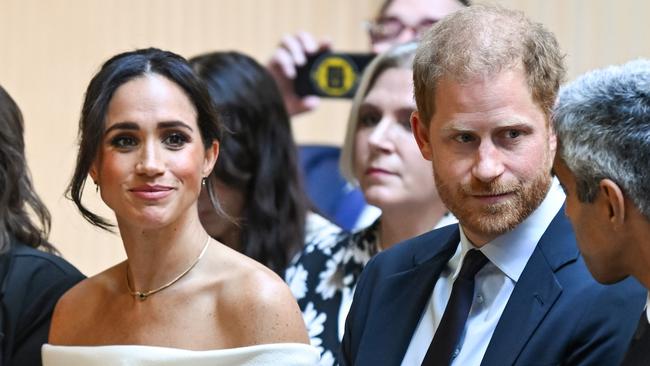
(314, 322)
(296, 278)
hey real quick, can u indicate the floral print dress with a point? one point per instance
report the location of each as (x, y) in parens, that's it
(323, 279)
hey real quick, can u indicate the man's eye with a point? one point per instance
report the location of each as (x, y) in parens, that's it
(464, 138)
(123, 142)
(513, 134)
(175, 140)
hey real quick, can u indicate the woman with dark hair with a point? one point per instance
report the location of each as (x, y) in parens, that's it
(32, 278)
(149, 136)
(256, 177)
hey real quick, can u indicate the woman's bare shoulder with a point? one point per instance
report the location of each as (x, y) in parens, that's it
(262, 304)
(88, 295)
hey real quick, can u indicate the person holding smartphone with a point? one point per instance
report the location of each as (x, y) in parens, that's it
(397, 21)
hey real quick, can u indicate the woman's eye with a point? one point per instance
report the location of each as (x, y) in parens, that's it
(369, 119)
(123, 142)
(175, 140)
(404, 119)
(406, 124)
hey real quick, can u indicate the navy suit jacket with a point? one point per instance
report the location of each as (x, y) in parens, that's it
(557, 313)
(638, 354)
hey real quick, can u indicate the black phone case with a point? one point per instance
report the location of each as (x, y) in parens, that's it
(331, 75)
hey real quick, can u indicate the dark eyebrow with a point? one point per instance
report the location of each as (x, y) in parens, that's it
(122, 126)
(134, 126)
(173, 124)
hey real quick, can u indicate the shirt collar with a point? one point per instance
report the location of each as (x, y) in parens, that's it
(510, 251)
(647, 308)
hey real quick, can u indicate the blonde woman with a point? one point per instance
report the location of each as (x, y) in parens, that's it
(381, 156)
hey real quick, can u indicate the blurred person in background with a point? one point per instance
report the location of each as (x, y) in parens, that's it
(32, 277)
(382, 158)
(265, 212)
(397, 21)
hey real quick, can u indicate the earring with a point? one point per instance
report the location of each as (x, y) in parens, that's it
(96, 187)
(203, 181)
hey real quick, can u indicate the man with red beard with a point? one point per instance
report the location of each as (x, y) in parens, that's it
(507, 286)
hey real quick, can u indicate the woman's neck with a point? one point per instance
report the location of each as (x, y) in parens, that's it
(399, 224)
(156, 256)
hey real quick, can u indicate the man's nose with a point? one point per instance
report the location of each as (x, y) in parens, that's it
(488, 164)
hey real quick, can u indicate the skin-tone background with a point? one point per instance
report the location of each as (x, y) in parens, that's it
(49, 50)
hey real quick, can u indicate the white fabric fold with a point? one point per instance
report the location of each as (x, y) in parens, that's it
(286, 354)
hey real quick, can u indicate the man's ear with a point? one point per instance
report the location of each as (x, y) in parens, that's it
(421, 134)
(211, 154)
(614, 201)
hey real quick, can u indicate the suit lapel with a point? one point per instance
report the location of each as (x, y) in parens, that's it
(534, 294)
(403, 297)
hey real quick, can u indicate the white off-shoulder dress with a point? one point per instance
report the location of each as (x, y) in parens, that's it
(285, 354)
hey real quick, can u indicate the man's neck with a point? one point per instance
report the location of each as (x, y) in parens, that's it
(640, 229)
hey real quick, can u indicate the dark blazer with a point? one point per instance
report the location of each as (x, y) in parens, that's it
(638, 354)
(557, 313)
(31, 283)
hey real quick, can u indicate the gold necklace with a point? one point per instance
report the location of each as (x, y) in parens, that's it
(143, 295)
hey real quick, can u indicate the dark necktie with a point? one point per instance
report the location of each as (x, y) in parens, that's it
(638, 352)
(453, 320)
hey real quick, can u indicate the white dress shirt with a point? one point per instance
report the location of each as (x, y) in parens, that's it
(494, 283)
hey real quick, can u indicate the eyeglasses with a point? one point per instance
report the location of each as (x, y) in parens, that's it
(390, 28)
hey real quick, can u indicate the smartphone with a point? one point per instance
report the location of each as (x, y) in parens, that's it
(331, 74)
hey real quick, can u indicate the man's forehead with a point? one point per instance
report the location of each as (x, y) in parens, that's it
(503, 89)
(509, 86)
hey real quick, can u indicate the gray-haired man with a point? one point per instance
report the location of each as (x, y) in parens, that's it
(603, 124)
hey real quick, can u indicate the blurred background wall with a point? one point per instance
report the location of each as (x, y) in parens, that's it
(49, 50)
